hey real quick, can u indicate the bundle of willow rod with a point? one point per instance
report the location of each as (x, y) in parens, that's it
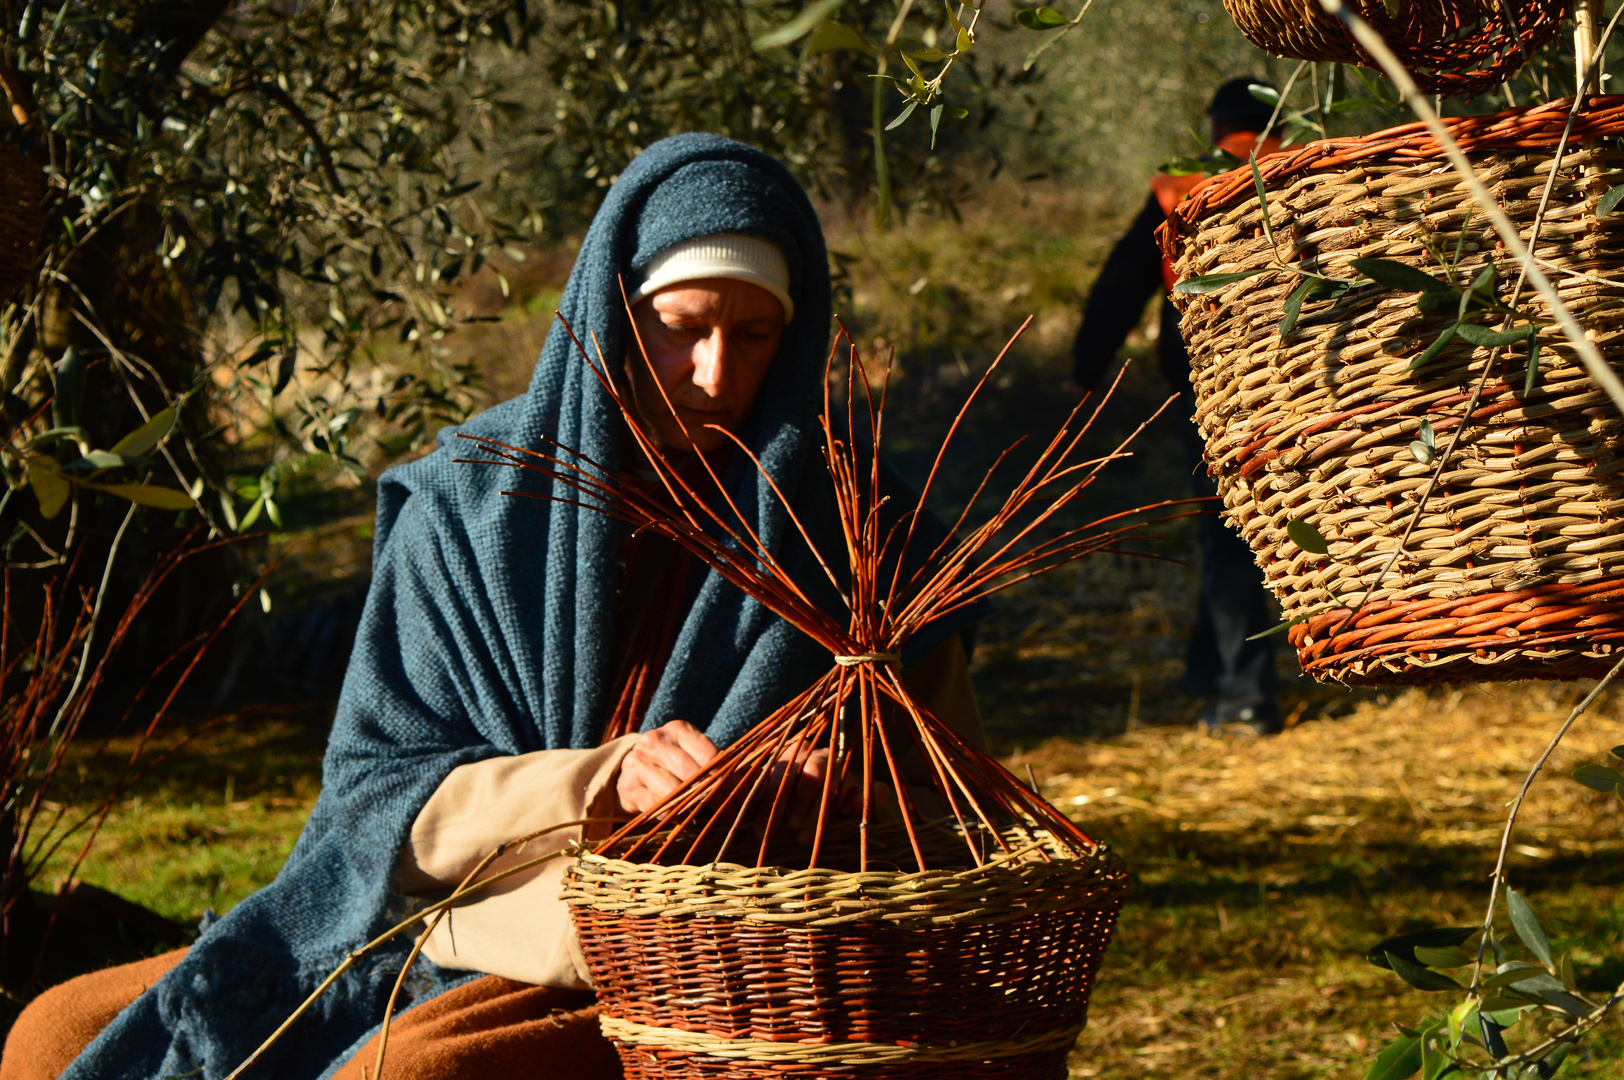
(1460, 47)
(1515, 568)
(953, 926)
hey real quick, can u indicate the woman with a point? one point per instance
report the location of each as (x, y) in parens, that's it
(491, 691)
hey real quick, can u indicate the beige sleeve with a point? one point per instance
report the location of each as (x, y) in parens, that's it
(941, 682)
(517, 928)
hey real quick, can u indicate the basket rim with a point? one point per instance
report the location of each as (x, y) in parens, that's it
(1528, 127)
(999, 891)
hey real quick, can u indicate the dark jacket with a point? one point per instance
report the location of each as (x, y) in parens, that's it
(1131, 276)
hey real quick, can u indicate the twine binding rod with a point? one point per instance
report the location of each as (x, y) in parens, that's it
(869, 658)
(846, 1053)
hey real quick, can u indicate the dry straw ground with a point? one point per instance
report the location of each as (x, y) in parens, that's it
(1266, 867)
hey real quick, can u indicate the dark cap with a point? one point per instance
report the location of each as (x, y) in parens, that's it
(1234, 104)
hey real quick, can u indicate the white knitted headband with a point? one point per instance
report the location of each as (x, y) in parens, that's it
(728, 255)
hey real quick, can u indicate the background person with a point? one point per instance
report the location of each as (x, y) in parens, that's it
(1234, 676)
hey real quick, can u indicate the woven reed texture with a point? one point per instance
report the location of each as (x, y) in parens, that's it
(731, 971)
(22, 220)
(1459, 47)
(1516, 569)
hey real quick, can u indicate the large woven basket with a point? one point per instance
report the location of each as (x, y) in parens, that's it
(917, 912)
(1450, 46)
(1516, 569)
(723, 970)
(22, 221)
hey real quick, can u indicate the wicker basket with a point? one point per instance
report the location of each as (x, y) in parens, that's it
(1516, 569)
(1450, 46)
(22, 221)
(728, 971)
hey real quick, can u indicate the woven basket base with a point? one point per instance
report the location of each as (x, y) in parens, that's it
(709, 997)
(1449, 46)
(1547, 632)
(639, 1064)
(668, 1055)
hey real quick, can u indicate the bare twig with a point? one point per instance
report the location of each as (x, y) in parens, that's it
(1280, 102)
(90, 636)
(468, 888)
(1499, 876)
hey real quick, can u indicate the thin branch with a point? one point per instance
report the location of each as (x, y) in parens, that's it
(1499, 876)
(90, 635)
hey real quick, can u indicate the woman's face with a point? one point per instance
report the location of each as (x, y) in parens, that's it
(709, 343)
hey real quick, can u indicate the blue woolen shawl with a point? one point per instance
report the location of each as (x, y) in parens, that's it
(487, 631)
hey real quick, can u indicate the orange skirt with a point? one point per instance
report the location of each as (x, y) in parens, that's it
(486, 1030)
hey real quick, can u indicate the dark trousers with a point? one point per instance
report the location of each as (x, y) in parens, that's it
(1218, 661)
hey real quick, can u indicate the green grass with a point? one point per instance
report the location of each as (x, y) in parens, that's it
(211, 824)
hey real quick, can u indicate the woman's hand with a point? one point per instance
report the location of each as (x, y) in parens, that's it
(805, 792)
(659, 762)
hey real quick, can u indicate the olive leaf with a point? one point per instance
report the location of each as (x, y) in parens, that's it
(918, 50)
(907, 111)
(143, 439)
(1529, 931)
(1263, 202)
(801, 25)
(1475, 334)
(1441, 937)
(1397, 275)
(163, 498)
(1399, 1059)
(1280, 627)
(831, 36)
(1435, 348)
(1421, 978)
(1307, 537)
(96, 461)
(252, 516)
(1598, 777)
(1294, 306)
(50, 489)
(1207, 283)
(1511, 974)
(1454, 956)
(1609, 201)
(1350, 104)
(1040, 18)
(69, 389)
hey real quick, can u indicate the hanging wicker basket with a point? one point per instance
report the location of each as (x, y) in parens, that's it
(22, 220)
(1460, 47)
(1516, 568)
